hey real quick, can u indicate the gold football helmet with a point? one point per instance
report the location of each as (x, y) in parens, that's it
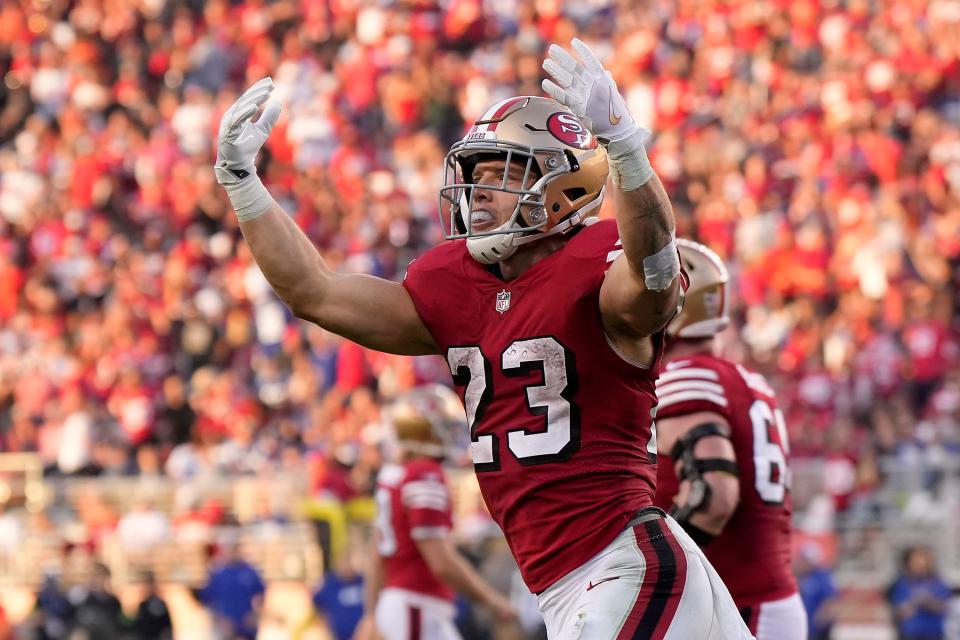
(704, 312)
(565, 172)
(429, 421)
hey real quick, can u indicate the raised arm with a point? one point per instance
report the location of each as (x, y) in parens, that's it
(373, 312)
(641, 292)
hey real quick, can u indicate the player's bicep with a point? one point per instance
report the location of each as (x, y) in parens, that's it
(725, 486)
(724, 493)
(373, 312)
(671, 429)
(713, 459)
(629, 308)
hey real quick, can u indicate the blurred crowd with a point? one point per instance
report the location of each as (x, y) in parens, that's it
(814, 145)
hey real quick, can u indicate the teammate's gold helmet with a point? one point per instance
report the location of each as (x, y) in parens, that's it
(429, 421)
(564, 178)
(704, 311)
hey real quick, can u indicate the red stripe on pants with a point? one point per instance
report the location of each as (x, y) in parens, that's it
(679, 584)
(664, 579)
(414, 623)
(650, 575)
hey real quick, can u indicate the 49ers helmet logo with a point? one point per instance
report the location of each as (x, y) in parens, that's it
(568, 129)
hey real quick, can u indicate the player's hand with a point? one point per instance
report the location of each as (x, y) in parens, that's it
(588, 89)
(366, 628)
(239, 139)
(503, 611)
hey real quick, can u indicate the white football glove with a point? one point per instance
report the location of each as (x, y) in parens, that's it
(588, 89)
(239, 139)
(238, 143)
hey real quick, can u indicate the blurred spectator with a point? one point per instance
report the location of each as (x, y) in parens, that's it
(817, 590)
(919, 597)
(193, 521)
(76, 437)
(143, 527)
(152, 621)
(98, 611)
(175, 418)
(233, 593)
(11, 530)
(930, 346)
(97, 515)
(54, 615)
(339, 600)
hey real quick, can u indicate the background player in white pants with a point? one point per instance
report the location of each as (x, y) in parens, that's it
(416, 568)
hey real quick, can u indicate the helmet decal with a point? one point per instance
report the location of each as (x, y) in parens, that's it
(568, 129)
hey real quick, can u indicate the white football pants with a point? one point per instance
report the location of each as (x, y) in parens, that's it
(784, 619)
(651, 583)
(407, 615)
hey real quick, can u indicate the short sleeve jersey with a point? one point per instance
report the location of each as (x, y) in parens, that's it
(752, 554)
(560, 423)
(413, 504)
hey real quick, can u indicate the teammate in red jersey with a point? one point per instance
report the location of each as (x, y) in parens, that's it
(553, 330)
(410, 585)
(720, 430)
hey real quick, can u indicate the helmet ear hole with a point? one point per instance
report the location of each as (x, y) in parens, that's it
(575, 193)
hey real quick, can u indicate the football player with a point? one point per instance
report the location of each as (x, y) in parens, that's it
(409, 588)
(552, 324)
(720, 432)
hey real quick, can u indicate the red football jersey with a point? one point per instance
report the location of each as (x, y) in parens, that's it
(752, 554)
(412, 504)
(560, 423)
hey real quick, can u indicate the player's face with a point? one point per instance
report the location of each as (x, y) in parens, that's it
(492, 208)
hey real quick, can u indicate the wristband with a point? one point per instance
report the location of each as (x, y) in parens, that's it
(630, 167)
(250, 199)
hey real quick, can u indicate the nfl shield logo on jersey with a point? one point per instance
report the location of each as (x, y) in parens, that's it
(503, 301)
